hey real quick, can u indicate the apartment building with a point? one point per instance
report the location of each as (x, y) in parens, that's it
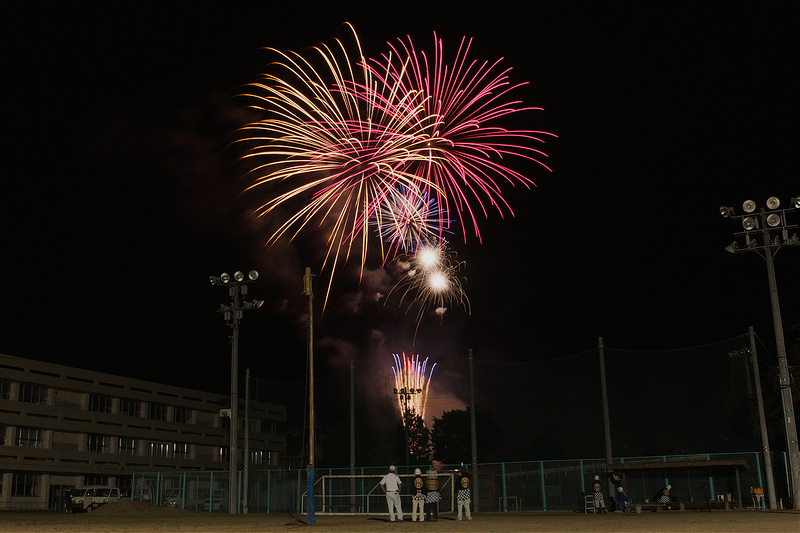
(62, 426)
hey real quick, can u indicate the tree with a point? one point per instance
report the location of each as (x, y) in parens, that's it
(450, 436)
(419, 445)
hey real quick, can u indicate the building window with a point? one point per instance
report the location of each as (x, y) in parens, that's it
(5, 390)
(129, 407)
(95, 480)
(158, 449)
(180, 450)
(28, 437)
(2, 441)
(182, 415)
(156, 411)
(224, 454)
(127, 446)
(260, 457)
(96, 443)
(30, 393)
(100, 403)
(23, 484)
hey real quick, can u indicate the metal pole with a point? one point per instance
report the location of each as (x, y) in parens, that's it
(473, 433)
(773, 502)
(246, 439)
(232, 484)
(352, 437)
(309, 292)
(785, 380)
(606, 423)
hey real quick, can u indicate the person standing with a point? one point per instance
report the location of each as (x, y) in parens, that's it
(464, 493)
(599, 500)
(68, 500)
(418, 498)
(432, 496)
(623, 501)
(391, 485)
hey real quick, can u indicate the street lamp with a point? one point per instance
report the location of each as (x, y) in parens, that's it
(237, 289)
(764, 232)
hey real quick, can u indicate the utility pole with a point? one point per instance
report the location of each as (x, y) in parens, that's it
(246, 476)
(473, 432)
(773, 503)
(606, 421)
(352, 437)
(308, 291)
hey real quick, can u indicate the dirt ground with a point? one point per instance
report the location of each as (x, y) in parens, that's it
(134, 517)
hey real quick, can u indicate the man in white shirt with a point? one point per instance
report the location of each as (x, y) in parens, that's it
(391, 485)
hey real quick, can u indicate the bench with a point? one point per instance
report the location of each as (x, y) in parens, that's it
(657, 506)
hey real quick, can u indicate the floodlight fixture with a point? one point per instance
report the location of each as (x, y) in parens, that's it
(726, 211)
(749, 223)
(773, 220)
(253, 275)
(749, 206)
(225, 277)
(732, 247)
(795, 202)
(238, 275)
(773, 202)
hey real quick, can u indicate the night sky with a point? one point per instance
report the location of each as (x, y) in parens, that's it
(120, 197)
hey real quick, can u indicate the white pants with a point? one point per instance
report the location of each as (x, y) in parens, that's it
(393, 501)
(417, 506)
(464, 504)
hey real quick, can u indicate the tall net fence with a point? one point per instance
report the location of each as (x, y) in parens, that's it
(691, 406)
(501, 487)
(659, 402)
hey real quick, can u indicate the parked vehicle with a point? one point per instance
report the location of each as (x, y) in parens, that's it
(219, 501)
(91, 497)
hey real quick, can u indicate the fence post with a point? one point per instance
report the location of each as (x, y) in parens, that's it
(544, 495)
(503, 474)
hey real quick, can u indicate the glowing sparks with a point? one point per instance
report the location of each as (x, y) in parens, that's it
(432, 281)
(468, 147)
(411, 384)
(330, 148)
(408, 221)
(398, 143)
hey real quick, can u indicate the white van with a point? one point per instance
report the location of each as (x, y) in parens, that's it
(219, 503)
(93, 496)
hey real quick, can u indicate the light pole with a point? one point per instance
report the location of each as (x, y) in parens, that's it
(237, 289)
(405, 395)
(765, 232)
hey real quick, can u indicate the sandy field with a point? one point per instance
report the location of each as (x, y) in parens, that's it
(129, 517)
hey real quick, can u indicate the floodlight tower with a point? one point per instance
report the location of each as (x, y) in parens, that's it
(765, 232)
(405, 395)
(237, 289)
